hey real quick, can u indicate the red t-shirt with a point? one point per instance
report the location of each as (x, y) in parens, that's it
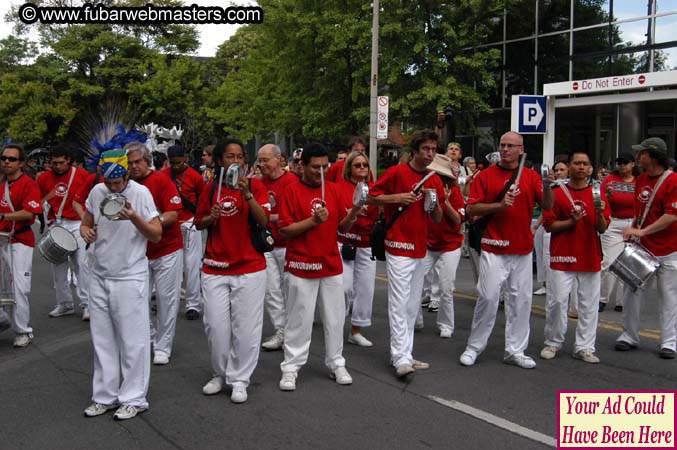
(189, 183)
(166, 198)
(509, 230)
(82, 194)
(577, 249)
(663, 242)
(621, 202)
(313, 254)
(276, 189)
(446, 236)
(54, 187)
(409, 234)
(24, 195)
(229, 248)
(359, 233)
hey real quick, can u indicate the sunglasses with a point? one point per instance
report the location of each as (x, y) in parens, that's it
(9, 158)
(360, 165)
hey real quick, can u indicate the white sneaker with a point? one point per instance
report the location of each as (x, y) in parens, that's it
(62, 310)
(586, 355)
(445, 333)
(403, 371)
(22, 340)
(548, 352)
(239, 394)
(540, 291)
(359, 340)
(274, 342)
(288, 381)
(125, 412)
(213, 386)
(520, 360)
(468, 358)
(85, 314)
(420, 365)
(96, 409)
(341, 376)
(160, 358)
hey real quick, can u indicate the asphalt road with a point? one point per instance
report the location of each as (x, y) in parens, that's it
(45, 387)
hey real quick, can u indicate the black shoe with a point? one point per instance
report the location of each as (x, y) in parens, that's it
(602, 306)
(618, 308)
(191, 314)
(623, 346)
(666, 353)
(425, 302)
(433, 309)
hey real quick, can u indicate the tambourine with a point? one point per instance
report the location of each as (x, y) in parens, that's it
(112, 205)
(430, 200)
(545, 172)
(360, 194)
(233, 175)
(597, 194)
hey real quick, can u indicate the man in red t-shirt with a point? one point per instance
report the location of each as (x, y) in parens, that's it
(189, 184)
(57, 188)
(335, 172)
(406, 243)
(19, 203)
(276, 180)
(658, 233)
(575, 260)
(310, 217)
(507, 245)
(165, 258)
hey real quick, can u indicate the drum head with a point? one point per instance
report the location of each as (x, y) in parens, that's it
(113, 205)
(545, 171)
(360, 194)
(233, 175)
(63, 238)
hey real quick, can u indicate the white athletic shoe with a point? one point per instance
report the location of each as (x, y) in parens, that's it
(96, 409)
(445, 333)
(239, 394)
(468, 358)
(586, 355)
(160, 358)
(540, 291)
(288, 381)
(22, 340)
(274, 342)
(85, 314)
(213, 386)
(125, 412)
(359, 340)
(548, 352)
(341, 375)
(520, 360)
(420, 365)
(62, 310)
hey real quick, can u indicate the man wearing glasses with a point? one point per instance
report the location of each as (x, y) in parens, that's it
(507, 244)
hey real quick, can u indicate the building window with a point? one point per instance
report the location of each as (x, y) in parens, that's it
(591, 12)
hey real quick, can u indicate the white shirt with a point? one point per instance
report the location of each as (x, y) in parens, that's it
(120, 248)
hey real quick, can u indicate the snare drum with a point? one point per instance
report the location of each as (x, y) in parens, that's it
(545, 172)
(57, 245)
(430, 200)
(360, 194)
(635, 266)
(233, 175)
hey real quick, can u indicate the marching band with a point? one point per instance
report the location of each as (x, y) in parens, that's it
(286, 241)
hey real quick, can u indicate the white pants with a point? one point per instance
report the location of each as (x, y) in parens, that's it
(75, 262)
(22, 264)
(612, 246)
(233, 318)
(405, 285)
(302, 295)
(192, 258)
(119, 326)
(562, 283)
(275, 289)
(666, 281)
(431, 284)
(539, 250)
(445, 264)
(516, 272)
(165, 276)
(359, 279)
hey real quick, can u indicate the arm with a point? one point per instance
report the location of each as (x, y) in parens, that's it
(274, 218)
(79, 209)
(436, 215)
(17, 216)
(661, 224)
(404, 198)
(87, 230)
(451, 213)
(548, 200)
(349, 220)
(151, 230)
(257, 211)
(169, 218)
(319, 216)
(601, 224)
(561, 225)
(483, 209)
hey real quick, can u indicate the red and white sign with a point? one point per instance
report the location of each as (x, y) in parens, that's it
(617, 83)
(382, 115)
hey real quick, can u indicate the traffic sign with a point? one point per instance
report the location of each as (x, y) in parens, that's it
(528, 114)
(382, 126)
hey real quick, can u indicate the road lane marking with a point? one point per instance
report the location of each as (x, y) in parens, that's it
(496, 421)
(540, 311)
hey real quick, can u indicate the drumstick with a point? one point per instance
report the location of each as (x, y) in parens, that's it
(419, 185)
(218, 191)
(94, 228)
(322, 181)
(519, 172)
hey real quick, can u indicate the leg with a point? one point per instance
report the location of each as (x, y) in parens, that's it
(348, 281)
(332, 311)
(445, 316)
(301, 300)
(414, 305)
(217, 320)
(363, 287)
(538, 251)
(518, 308)
(400, 276)
(191, 267)
(22, 264)
(631, 309)
(667, 300)
(62, 290)
(560, 282)
(274, 296)
(588, 310)
(167, 272)
(106, 378)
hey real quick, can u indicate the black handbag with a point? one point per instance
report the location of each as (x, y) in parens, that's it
(377, 237)
(262, 237)
(348, 252)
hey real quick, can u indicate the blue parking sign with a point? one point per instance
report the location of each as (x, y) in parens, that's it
(531, 114)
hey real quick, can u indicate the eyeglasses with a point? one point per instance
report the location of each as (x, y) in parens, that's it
(360, 165)
(502, 144)
(9, 158)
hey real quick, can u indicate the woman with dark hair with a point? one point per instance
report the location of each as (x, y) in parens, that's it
(234, 273)
(619, 188)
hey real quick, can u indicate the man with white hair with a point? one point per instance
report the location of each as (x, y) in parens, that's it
(276, 180)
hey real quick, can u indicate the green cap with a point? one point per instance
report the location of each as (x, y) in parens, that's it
(653, 143)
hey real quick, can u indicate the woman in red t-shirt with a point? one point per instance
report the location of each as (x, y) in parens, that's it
(234, 274)
(619, 187)
(359, 270)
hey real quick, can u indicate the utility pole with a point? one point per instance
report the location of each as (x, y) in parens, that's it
(373, 166)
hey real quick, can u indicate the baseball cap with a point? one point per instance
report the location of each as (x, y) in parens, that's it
(625, 157)
(653, 143)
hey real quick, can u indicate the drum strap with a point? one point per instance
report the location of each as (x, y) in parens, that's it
(8, 200)
(663, 177)
(65, 196)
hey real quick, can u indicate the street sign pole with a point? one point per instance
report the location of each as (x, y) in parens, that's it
(374, 92)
